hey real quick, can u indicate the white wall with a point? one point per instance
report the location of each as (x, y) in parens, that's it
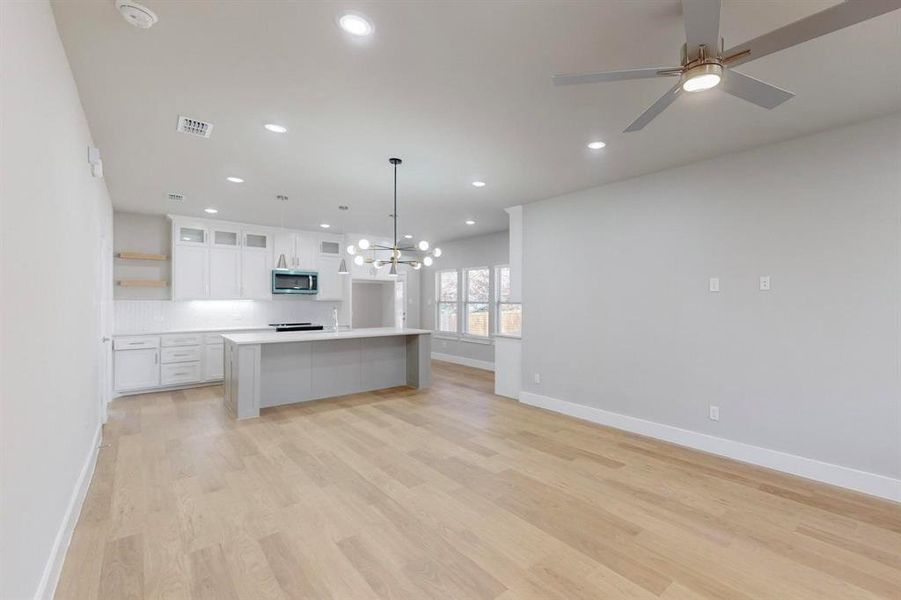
(478, 251)
(618, 315)
(53, 215)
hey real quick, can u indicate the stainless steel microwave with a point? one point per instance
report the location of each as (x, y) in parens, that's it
(285, 281)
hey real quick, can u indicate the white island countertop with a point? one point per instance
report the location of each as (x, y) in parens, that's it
(276, 337)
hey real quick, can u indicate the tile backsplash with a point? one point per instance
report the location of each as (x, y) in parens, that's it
(142, 316)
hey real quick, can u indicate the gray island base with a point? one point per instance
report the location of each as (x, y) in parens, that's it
(274, 368)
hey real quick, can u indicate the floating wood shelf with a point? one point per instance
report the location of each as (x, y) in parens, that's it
(141, 256)
(142, 283)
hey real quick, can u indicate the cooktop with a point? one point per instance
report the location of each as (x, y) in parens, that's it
(296, 326)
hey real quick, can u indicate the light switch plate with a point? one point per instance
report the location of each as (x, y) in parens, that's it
(714, 284)
(764, 283)
(714, 413)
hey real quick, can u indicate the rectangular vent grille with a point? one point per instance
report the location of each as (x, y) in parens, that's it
(178, 197)
(194, 127)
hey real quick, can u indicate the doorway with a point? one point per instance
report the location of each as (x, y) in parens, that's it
(105, 320)
(377, 303)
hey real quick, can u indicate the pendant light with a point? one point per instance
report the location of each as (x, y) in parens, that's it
(282, 263)
(421, 254)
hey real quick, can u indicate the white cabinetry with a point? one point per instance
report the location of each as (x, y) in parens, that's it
(137, 369)
(256, 266)
(214, 361)
(180, 358)
(190, 277)
(218, 260)
(301, 249)
(309, 252)
(289, 243)
(148, 362)
(331, 284)
(225, 262)
(137, 363)
(225, 273)
(222, 260)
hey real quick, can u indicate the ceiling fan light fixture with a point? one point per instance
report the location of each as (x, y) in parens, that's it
(702, 77)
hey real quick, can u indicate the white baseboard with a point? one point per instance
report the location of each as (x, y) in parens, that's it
(462, 360)
(49, 579)
(846, 477)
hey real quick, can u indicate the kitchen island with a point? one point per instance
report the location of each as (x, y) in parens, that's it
(273, 368)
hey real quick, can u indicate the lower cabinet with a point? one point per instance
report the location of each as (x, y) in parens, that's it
(137, 369)
(178, 373)
(147, 362)
(214, 362)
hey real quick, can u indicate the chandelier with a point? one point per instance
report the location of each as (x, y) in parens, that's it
(395, 256)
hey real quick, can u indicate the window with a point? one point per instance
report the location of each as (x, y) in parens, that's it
(447, 301)
(509, 314)
(477, 302)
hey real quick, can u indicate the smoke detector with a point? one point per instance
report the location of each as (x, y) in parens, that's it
(176, 196)
(136, 14)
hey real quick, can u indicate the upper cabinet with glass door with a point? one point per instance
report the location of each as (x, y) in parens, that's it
(257, 240)
(191, 235)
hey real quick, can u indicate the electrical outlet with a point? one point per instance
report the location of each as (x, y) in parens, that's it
(764, 283)
(714, 284)
(714, 413)
(537, 378)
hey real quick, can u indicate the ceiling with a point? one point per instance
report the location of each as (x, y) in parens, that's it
(460, 90)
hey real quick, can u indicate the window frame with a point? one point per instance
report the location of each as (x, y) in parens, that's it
(465, 301)
(499, 304)
(438, 302)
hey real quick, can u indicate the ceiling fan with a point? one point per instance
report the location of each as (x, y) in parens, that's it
(706, 64)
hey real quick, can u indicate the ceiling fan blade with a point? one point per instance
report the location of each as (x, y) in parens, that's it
(656, 108)
(754, 91)
(648, 73)
(702, 25)
(826, 21)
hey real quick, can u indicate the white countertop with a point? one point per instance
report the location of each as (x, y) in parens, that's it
(275, 337)
(195, 330)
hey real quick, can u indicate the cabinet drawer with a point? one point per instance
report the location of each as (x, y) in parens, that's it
(181, 339)
(136, 342)
(180, 373)
(213, 338)
(180, 354)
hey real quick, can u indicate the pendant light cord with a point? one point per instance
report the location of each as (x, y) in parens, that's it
(395, 210)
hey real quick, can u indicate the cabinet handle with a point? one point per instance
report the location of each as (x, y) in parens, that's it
(156, 357)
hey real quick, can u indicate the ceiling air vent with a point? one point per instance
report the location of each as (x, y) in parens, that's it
(194, 127)
(174, 196)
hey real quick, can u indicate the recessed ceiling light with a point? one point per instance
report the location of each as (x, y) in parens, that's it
(211, 211)
(478, 183)
(355, 24)
(596, 145)
(235, 179)
(408, 237)
(324, 225)
(276, 128)
(470, 222)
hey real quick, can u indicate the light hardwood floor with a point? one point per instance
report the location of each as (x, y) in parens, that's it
(455, 493)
